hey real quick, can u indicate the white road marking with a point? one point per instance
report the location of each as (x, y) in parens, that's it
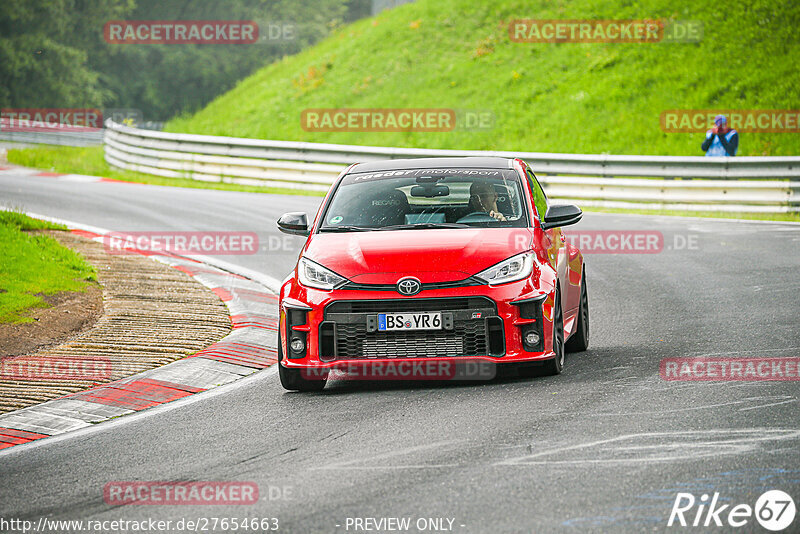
(783, 399)
(754, 351)
(789, 401)
(349, 464)
(670, 446)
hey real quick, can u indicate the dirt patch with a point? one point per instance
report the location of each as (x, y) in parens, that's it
(69, 314)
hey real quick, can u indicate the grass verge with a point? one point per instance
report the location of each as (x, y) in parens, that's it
(33, 265)
(574, 97)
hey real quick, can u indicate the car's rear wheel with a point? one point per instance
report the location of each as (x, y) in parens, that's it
(579, 341)
(292, 379)
(556, 365)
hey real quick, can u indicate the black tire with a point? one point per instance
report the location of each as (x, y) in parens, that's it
(579, 341)
(556, 365)
(293, 380)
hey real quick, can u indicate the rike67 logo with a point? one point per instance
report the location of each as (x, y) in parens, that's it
(774, 510)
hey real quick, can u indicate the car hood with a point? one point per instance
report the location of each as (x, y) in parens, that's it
(380, 257)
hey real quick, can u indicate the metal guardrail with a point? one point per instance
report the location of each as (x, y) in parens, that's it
(742, 184)
(54, 137)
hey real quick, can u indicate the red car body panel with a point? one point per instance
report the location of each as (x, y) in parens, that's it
(379, 257)
(439, 255)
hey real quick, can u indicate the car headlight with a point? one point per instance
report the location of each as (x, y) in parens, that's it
(312, 274)
(510, 270)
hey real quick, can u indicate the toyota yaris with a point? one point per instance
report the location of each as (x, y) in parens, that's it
(427, 261)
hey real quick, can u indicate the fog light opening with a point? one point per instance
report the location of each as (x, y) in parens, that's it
(532, 338)
(297, 345)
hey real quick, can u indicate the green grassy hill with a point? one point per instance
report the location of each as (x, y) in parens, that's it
(569, 97)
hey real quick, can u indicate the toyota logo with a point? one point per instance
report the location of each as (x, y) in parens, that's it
(408, 286)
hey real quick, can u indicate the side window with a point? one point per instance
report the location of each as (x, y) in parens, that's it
(539, 198)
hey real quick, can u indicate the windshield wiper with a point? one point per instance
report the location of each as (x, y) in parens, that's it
(345, 229)
(424, 226)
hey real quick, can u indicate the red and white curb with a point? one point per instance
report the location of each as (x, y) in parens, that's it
(250, 347)
(82, 178)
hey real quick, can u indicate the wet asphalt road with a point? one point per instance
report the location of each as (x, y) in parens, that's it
(605, 447)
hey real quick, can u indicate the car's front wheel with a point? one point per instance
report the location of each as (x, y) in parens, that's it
(292, 379)
(579, 341)
(556, 365)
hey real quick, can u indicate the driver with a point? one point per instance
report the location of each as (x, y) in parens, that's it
(483, 198)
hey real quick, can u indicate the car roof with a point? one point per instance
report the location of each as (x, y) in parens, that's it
(482, 162)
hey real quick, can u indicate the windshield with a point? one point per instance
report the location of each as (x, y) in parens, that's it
(426, 198)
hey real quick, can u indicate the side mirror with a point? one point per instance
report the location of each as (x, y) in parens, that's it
(295, 223)
(562, 215)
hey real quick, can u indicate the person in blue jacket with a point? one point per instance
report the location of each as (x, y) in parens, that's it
(721, 140)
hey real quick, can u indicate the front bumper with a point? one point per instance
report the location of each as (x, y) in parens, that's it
(482, 323)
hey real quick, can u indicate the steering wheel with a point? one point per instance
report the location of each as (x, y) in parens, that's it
(476, 216)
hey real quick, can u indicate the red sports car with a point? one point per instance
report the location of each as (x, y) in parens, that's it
(412, 265)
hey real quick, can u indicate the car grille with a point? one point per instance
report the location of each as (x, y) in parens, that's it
(409, 305)
(344, 335)
(467, 282)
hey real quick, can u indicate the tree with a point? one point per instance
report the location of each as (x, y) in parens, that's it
(53, 53)
(44, 51)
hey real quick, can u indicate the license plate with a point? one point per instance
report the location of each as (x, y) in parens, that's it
(409, 321)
